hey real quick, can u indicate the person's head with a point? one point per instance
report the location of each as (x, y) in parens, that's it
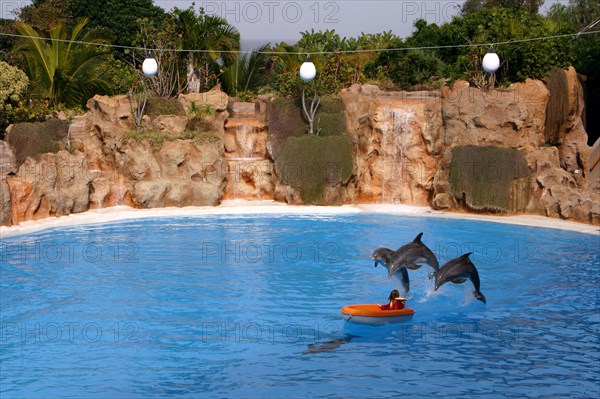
(393, 295)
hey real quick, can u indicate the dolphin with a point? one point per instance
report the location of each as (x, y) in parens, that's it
(328, 346)
(384, 256)
(411, 254)
(457, 270)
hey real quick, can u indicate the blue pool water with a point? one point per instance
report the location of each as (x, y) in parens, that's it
(248, 306)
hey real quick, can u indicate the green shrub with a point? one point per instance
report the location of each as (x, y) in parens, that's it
(285, 120)
(309, 163)
(13, 83)
(37, 138)
(163, 106)
(158, 138)
(487, 178)
(331, 117)
(154, 137)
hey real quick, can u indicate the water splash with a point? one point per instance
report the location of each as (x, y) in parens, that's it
(393, 148)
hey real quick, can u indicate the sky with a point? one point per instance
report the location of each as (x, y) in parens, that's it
(274, 21)
(263, 21)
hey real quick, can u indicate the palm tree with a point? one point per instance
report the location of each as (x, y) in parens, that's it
(217, 40)
(67, 70)
(244, 74)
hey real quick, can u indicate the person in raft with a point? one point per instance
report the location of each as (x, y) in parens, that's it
(395, 302)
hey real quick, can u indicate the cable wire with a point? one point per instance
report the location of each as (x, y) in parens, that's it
(487, 45)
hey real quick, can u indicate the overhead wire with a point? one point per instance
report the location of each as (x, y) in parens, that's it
(272, 52)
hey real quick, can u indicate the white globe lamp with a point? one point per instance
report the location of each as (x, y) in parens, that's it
(491, 62)
(150, 66)
(308, 70)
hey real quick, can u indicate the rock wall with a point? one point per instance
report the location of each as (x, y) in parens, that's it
(558, 183)
(104, 168)
(396, 137)
(401, 142)
(8, 165)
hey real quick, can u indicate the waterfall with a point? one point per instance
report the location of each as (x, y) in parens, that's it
(248, 166)
(393, 148)
(244, 142)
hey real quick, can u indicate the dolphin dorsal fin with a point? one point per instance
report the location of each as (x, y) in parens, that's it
(466, 255)
(418, 238)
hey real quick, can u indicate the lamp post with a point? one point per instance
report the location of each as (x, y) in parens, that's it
(307, 74)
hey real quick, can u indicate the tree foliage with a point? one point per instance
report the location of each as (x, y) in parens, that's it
(217, 40)
(116, 17)
(43, 15)
(61, 70)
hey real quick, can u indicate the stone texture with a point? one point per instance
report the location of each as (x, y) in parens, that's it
(250, 170)
(396, 138)
(214, 98)
(514, 118)
(5, 202)
(49, 185)
(110, 115)
(172, 124)
(402, 146)
(8, 163)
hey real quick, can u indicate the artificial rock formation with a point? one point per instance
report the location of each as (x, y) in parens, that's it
(397, 143)
(8, 165)
(402, 147)
(557, 184)
(106, 169)
(250, 169)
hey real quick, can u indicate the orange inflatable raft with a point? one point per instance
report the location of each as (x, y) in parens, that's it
(372, 314)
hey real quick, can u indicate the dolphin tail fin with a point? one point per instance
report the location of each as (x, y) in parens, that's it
(479, 296)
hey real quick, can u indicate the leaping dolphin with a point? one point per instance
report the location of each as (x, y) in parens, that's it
(411, 254)
(457, 270)
(384, 256)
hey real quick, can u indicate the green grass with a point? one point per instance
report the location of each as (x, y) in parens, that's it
(158, 138)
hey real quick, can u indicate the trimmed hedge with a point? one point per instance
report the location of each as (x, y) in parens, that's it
(37, 138)
(156, 106)
(309, 163)
(487, 178)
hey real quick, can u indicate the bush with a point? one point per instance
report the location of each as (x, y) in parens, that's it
(157, 138)
(163, 106)
(484, 177)
(309, 163)
(37, 138)
(285, 120)
(13, 83)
